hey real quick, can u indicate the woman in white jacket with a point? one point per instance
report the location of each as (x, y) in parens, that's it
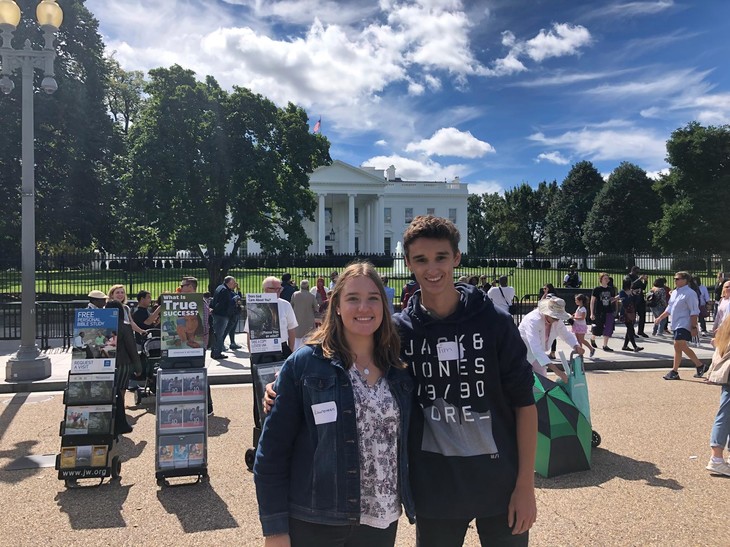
(540, 328)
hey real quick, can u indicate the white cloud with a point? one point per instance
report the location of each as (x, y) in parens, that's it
(553, 157)
(381, 142)
(412, 169)
(449, 141)
(658, 85)
(486, 187)
(654, 175)
(563, 39)
(300, 12)
(617, 144)
(632, 9)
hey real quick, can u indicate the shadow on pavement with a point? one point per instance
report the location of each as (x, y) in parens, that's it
(22, 449)
(609, 465)
(12, 407)
(197, 506)
(218, 425)
(91, 508)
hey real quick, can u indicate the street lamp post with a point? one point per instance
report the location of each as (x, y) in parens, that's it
(28, 363)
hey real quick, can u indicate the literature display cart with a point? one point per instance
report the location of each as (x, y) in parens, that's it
(263, 374)
(88, 443)
(182, 392)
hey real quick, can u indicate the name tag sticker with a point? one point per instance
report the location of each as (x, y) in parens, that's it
(448, 351)
(325, 413)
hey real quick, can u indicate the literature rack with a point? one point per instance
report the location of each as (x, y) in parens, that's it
(182, 423)
(88, 443)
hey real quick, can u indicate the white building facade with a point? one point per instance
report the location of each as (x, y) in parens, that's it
(366, 210)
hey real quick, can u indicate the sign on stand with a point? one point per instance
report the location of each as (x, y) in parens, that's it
(264, 324)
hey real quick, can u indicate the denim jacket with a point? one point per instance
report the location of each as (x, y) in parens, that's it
(312, 472)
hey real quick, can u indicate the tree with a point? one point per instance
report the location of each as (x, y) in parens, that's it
(524, 222)
(570, 209)
(696, 192)
(619, 221)
(73, 134)
(485, 213)
(210, 169)
(124, 94)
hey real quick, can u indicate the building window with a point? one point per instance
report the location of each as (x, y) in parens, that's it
(386, 245)
(409, 215)
(431, 211)
(452, 215)
(357, 245)
(387, 214)
(357, 215)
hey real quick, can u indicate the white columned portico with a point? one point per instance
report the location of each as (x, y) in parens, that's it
(380, 224)
(367, 244)
(372, 226)
(351, 223)
(320, 224)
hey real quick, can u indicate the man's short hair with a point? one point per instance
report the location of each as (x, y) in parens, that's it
(286, 278)
(503, 279)
(269, 280)
(228, 279)
(142, 294)
(304, 285)
(431, 227)
(385, 279)
(190, 279)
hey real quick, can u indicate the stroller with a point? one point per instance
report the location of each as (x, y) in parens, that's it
(150, 357)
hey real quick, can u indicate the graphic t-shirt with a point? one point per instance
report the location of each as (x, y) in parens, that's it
(603, 296)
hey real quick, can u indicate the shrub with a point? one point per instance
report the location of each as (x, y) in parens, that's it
(607, 263)
(690, 264)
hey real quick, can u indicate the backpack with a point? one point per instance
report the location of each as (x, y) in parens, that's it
(652, 299)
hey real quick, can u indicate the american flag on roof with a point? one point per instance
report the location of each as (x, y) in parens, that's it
(317, 125)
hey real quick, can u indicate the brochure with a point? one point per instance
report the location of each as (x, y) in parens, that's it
(264, 325)
(94, 340)
(90, 388)
(88, 420)
(182, 325)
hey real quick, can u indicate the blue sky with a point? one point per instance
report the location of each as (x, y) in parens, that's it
(497, 92)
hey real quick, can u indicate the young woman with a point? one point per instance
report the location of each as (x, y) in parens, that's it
(579, 327)
(720, 436)
(723, 307)
(547, 290)
(603, 309)
(629, 298)
(331, 465)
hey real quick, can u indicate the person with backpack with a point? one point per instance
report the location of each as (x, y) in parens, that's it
(502, 295)
(409, 289)
(656, 301)
(572, 278)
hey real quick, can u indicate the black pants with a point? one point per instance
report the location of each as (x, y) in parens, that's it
(307, 534)
(493, 531)
(630, 337)
(641, 315)
(120, 417)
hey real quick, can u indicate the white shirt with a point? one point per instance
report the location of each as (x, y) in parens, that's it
(287, 320)
(683, 304)
(496, 297)
(532, 331)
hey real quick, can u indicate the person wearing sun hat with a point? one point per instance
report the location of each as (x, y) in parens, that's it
(97, 299)
(538, 330)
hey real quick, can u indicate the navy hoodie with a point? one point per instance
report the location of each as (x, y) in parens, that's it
(463, 443)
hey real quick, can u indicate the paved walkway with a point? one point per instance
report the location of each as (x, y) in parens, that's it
(236, 368)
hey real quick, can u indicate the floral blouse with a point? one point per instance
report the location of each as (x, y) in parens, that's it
(378, 429)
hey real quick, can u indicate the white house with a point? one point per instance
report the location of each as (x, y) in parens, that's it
(366, 210)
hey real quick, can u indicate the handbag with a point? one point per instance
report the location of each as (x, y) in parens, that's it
(719, 371)
(511, 308)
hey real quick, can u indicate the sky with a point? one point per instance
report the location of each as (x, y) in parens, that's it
(496, 92)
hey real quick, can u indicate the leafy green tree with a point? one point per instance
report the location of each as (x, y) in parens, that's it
(525, 218)
(124, 94)
(622, 213)
(74, 139)
(696, 192)
(570, 209)
(211, 169)
(485, 214)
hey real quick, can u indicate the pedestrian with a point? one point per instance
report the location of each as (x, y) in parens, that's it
(469, 365)
(223, 308)
(389, 294)
(629, 297)
(603, 311)
(639, 287)
(540, 328)
(657, 301)
(320, 294)
(720, 435)
(683, 308)
(409, 289)
(580, 326)
(503, 295)
(719, 282)
(304, 304)
(233, 323)
(704, 299)
(288, 288)
(287, 323)
(548, 290)
(723, 307)
(347, 385)
(333, 280)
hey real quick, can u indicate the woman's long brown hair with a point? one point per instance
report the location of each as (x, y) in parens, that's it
(331, 335)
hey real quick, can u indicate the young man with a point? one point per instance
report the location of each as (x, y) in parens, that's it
(473, 444)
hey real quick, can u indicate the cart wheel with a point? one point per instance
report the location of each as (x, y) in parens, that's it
(595, 439)
(249, 458)
(116, 467)
(161, 482)
(71, 483)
